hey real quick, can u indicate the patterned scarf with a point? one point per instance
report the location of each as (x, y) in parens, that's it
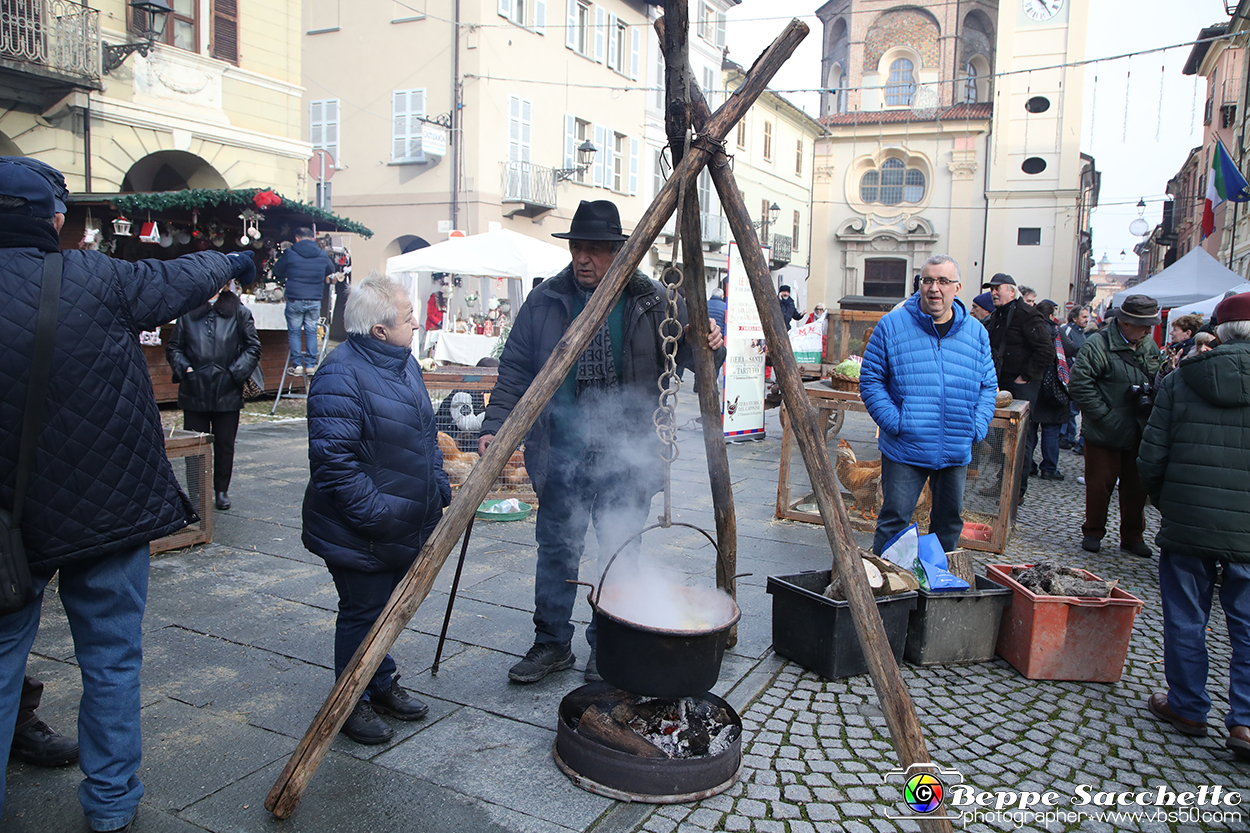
(1061, 360)
(596, 370)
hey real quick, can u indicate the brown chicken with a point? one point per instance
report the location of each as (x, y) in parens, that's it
(514, 473)
(456, 463)
(861, 478)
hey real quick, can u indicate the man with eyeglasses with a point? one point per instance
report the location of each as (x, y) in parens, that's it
(928, 382)
(593, 452)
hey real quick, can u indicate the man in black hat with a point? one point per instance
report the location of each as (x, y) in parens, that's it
(1019, 339)
(593, 452)
(789, 311)
(1112, 382)
(102, 434)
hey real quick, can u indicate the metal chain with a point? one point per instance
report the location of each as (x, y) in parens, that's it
(670, 332)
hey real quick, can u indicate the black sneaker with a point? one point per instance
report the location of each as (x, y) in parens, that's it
(592, 668)
(398, 703)
(1051, 475)
(1065, 443)
(364, 726)
(541, 659)
(41, 745)
(1091, 544)
(1138, 548)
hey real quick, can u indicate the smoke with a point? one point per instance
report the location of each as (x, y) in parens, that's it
(653, 596)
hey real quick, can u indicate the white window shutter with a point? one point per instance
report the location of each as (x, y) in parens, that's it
(601, 158)
(416, 115)
(570, 140)
(527, 128)
(514, 129)
(633, 166)
(613, 57)
(720, 29)
(505, 8)
(316, 121)
(570, 24)
(399, 125)
(540, 16)
(600, 23)
(332, 130)
(635, 51)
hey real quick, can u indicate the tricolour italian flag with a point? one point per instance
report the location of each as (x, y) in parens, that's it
(1224, 182)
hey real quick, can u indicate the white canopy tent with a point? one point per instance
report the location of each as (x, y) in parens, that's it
(1206, 306)
(495, 254)
(1195, 277)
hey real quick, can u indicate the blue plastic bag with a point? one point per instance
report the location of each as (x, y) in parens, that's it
(931, 567)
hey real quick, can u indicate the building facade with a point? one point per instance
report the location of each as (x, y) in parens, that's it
(214, 103)
(953, 129)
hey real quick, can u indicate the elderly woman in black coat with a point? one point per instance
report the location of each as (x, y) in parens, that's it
(213, 351)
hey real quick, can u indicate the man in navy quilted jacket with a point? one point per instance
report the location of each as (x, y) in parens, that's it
(101, 487)
(304, 267)
(928, 381)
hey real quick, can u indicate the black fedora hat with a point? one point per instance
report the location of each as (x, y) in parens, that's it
(1140, 310)
(597, 220)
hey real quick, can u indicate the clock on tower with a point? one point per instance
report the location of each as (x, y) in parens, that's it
(1042, 10)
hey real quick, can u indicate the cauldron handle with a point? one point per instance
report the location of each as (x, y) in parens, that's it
(599, 589)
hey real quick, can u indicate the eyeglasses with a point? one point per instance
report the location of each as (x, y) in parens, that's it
(942, 282)
(820, 309)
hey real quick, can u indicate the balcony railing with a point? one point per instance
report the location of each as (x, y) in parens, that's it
(57, 37)
(715, 228)
(780, 247)
(532, 186)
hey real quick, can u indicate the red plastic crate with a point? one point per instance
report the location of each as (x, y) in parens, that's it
(1063, 637)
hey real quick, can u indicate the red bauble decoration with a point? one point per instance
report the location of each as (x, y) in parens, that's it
(266, 199)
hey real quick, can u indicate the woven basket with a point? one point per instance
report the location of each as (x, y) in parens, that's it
(844, 383)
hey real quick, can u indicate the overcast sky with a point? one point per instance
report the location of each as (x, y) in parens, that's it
(1138, 138)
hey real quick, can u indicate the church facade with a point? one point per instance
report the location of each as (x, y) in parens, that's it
(953, 128)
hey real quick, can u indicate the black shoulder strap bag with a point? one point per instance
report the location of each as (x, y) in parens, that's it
(16, 590)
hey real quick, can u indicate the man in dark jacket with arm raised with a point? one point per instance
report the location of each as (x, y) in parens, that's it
(1193, 462)
(304, 267)
(593, 452)
(101, 488)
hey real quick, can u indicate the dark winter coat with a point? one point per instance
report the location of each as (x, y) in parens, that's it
(304, 268)
(221, 344)
(716, 308)
(1101, 378)
(1077, 336)
(539, 326)
(1195, 454)
(1048, 411)
(1021, 342)
(789, 311)
(378, 487)
(932, 396)
(101, 483)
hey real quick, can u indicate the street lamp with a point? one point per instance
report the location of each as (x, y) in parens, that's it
(585, 156)
(1139, 226)
(774, 211)
(154, 15)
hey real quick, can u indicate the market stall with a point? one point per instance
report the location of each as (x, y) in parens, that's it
(466, 289)
(166, 224)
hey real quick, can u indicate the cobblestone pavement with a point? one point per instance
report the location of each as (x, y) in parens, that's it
(816, 751)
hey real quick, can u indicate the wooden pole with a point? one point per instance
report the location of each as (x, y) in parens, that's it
(414, 587)
(677, 119)
(896, 704)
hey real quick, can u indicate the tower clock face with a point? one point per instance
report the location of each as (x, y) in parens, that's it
(1042, 9)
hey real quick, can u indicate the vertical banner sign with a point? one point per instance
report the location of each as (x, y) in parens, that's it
(742, 403)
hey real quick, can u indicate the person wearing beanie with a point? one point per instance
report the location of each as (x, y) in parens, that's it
(982, 306)
(789, 313)
(1193, 460)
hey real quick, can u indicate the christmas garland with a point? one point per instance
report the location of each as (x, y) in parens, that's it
(208, 198)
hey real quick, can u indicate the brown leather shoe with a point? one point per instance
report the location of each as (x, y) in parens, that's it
(1158, 705)
(1239, 741)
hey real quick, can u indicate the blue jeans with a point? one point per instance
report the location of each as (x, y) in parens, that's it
(575, 493)
(104, 602)
(901, 485)
(1186, 585)
(1050, 444)
(301, 319)
(1070, 432)
(361, 599)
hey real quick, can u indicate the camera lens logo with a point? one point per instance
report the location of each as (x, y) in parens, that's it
(923, 793)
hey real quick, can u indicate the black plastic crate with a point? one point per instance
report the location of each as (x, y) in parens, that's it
(956, 626)
(817, 632)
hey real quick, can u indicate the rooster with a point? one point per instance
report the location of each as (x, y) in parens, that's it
(730, 407)
(456, 463)
(861, 479)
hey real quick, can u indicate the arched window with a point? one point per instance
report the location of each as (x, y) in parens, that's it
(892, 183)
(970, 83)
(901, 86)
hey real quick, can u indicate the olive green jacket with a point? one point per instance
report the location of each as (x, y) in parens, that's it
(1196, 452)
(1101, 378)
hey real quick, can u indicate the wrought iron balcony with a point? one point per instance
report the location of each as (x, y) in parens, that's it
(715, 228)
(529, 187)
(50, 42)
(779, 249)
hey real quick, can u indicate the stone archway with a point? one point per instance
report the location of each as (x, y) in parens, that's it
(171, 170)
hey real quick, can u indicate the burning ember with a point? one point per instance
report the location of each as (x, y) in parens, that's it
(691, 727)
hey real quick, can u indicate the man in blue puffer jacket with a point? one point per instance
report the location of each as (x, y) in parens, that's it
(378, 487)
(928, 381)
(101, 487)
(304, 267)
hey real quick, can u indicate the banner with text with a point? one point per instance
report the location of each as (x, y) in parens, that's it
(742, 403)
